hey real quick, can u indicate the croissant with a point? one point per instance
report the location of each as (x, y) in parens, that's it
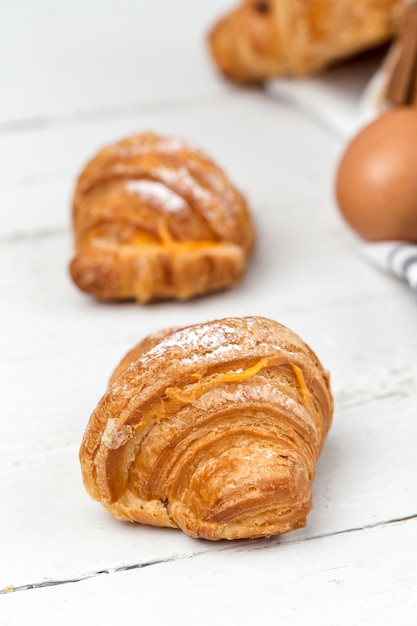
(263, 39)
(154, 218)
(214, 428)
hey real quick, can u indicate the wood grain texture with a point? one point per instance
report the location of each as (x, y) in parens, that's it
(58, 347)
(364, 577)
(85, 60)
(47, 176)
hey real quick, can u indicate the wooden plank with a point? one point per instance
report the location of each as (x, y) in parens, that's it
(51, 530)
(76, 59)
(38, 169)
(364, 577)
(59, 347)
(55, 317)
(89, 73)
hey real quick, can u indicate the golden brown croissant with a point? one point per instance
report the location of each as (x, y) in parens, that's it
(155, 218)
(214, 428)
(263, 39)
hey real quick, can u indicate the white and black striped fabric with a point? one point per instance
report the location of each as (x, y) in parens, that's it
(396, 257)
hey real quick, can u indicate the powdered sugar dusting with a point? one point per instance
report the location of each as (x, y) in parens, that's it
(183, 180)
(157, 193)
(173, 144)
(214, 342)
(220, 341)
(188, 172)
(235, 393)
(191, 341)
(216, 209)
(146, 143)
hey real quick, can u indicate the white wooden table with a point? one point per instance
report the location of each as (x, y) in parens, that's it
(73, 77)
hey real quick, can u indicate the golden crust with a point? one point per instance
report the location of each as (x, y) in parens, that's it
(155, 218)
(260, 40)
(214, 428)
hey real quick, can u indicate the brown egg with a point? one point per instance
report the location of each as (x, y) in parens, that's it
(376, 182)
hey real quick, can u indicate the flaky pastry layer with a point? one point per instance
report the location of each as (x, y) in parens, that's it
(214, 428)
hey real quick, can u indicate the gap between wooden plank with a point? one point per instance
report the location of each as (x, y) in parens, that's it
(44, 233)
(40, 123)
(254, 544)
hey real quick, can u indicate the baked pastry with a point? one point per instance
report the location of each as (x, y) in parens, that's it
(214, 428)
(155, 218)
(266, 38)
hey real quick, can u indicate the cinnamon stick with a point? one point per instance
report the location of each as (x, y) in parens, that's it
(414, 90)
(402, 84)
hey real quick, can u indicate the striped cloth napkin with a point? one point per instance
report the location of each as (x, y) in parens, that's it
(395, 257)
(343, 100)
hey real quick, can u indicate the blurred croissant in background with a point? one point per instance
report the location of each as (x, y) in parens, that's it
(266, 38)
(155, 218)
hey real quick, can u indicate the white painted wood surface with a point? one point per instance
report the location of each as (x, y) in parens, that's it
(75, 76)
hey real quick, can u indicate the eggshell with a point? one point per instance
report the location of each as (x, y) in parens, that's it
(376, 181)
